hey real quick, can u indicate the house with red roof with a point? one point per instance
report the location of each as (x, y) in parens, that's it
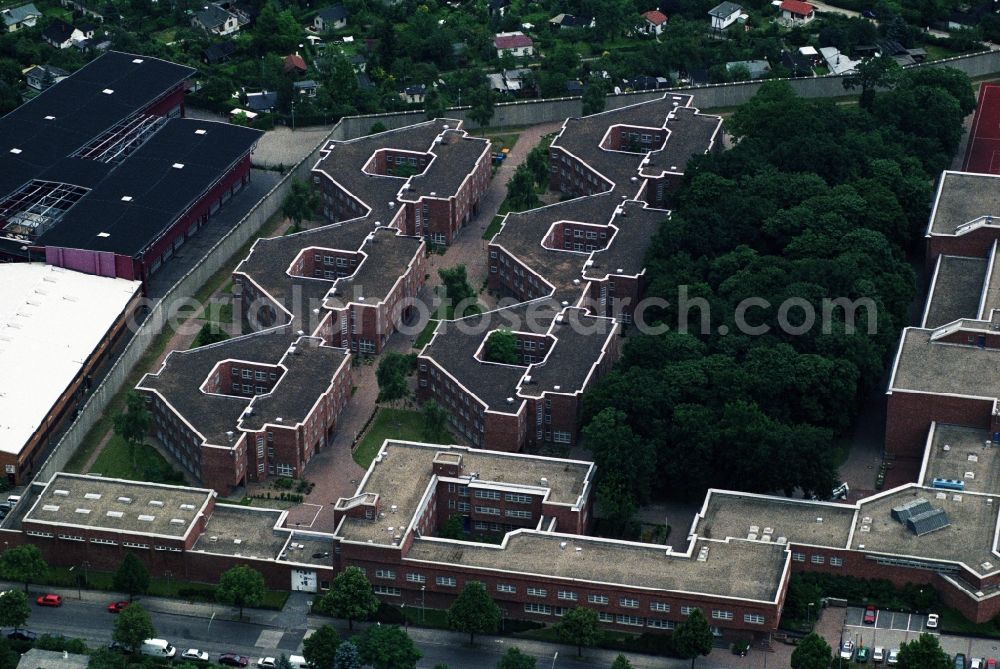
(797, 12)
(655, 20)
(294, 64)
(514, 44)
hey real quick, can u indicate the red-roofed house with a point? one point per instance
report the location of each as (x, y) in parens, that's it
(294, 64)
(655, 20)
(515, 44)
(795, 11)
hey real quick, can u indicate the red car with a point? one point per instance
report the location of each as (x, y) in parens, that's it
(49, 600)
(870, 613)
(991, 663)
(233, 660)
(116, 607)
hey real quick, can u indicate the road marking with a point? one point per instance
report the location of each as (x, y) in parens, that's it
(269, 638)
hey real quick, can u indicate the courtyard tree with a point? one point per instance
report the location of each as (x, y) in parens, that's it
(579, 627)
(501, 346)
(481, 101)
(812, 652)
(23, 564)
(391, 375)
(693, 637)
(241, 586)
(132, 577)
(132, 424)
(350, 596)
(435, 428)
(460, 295)
(320, 648)
(474, 612)
(301, 203)
(347, 656)
(595, 96)
(133, 626)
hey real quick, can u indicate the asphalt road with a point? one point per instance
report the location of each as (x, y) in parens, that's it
(89, 620)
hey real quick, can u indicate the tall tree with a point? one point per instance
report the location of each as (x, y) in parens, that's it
(434, 106)
(133, 423)
(812, 652)
(538, 164)
(579, 627)
(391, 375)
(133, 626)
(23, 564)
(435, 428)
(320, 648)
(388, 647)
(473, 611)
(301, 202)
(501, 346)
(350, 596)
(347, 656)
(870, 75)
(924, 652)
(14, 609)
(693, 637)
(481, 101)
(621, 662)
(457, 291)
(521, 194)
(515, 659)
(132, 577)
(241, 586)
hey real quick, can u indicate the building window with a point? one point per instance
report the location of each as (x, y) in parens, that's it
(836, 561)
(386, 590)
(447, 581)
(597, 599)
(662, 607)
(719, 614)
(567, 595)
(532, 607)
(413, 577)
(753, 618)
(560, 437)
(488, 510)
(515, 513)
(385, 573)
(687, 610)
(659, 623)
(629, 603)
(799, 557)
(506, 587)
(518, 498)
(538, 592)
(284, 470)
(817, 559)
(605, 617)
(630, 620)
(463, 506)
(488, 494)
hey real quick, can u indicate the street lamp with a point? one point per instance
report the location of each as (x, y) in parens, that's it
(79, 593)
(809, 609)
(554, 658)
(423, 590)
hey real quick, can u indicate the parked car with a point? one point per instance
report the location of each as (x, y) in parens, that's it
(893, 656)
(878, 655)
(267, 663)
(976, 663)
(116, 607)
(847, 650)
(991, 664)
(960, 661)
(932, 620)
(22, 635)
(233, 660)
(195, 655)
(870, 613)
(49, 600)
(863, 653)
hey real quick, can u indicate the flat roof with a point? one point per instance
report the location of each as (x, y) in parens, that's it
(926, 366)
(962, 198)
(735, 568)
(736, 515)
(402, 472)
(957, 288)
(116, 505)
(242, 531)
(40, 356)
(969, 450)
(968, 540)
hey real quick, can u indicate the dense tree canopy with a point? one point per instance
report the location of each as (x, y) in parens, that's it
(812, 652)
(784, 269)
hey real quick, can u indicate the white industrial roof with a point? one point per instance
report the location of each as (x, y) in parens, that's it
(51, 320)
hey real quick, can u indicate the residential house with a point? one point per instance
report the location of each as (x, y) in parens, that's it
(517, 78)
(294, 65)
(724, 15)
(306, 87)
(262, 102)
(24, 16)
(414, 95)
(758, 69)
(796, 12)
(513, 44)
(61, 35)
(41, 77)
(330, 18)
(217, 53)
(570, 22)
(653, 22)
(837, 62)
(497, 83)
(218, 20)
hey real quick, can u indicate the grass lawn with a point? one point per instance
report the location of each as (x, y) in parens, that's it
(115, 461)
(425, 334)
(165, 36)
(935, 52)
(391, 424)
(502, 141)
(493, 228)
(953, 622)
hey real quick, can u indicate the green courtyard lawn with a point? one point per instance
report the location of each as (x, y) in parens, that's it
(425, 334)
(116, 462)
(391, 424)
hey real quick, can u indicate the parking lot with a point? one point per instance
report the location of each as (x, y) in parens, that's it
(888, 620)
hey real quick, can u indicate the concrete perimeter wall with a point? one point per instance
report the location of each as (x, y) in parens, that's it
(510, 114)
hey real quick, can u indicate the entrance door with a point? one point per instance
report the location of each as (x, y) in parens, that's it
(303, 580)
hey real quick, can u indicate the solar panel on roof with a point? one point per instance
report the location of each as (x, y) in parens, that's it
(928, 521)
(904, 512)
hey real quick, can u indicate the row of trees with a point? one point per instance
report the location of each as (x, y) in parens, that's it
(797, 212)
(924, 652)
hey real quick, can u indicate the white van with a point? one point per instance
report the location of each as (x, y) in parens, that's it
(298, 662)
(157, 648)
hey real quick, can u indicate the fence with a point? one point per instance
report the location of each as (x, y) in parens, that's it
(216, 258)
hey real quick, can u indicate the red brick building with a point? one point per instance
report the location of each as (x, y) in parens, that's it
(569, 274)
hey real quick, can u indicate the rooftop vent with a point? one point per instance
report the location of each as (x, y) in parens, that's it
(177, 521)
(155, 502)
(187, 507)
(49, 117)
(543, 481)
(237, 541)
(125, 500)
(50, 507)
(562, 544)
(229, 436)
(126, 198)
(15, 151)
(115, 514)
(103, 234)
(200, 131)
(83, 511)
(61, 493)
(279, 419)
(620, 270)
(92, 495)
(973, 457)
(137, 60)
(178, 166)
(108, 91)
(146, 519)
(946, 448)
(556, 388)
(510, 400)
